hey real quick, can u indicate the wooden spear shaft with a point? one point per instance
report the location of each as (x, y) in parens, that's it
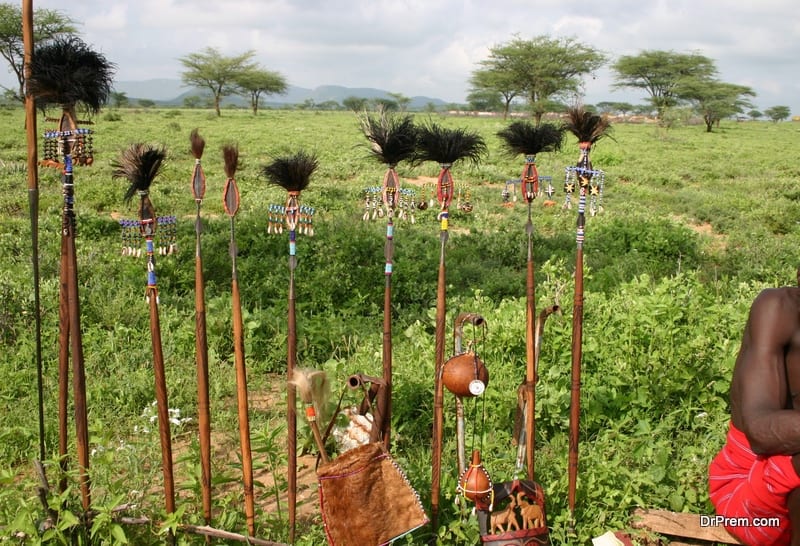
(291, 362)
(162, 403)
(74, 329)
(201, 349)
(33, 204)
(241, 389)
(148, 223)
(530, 354)
(63, 368)
(231, 202)
(445, 185)
(201, 338)
(577, 340)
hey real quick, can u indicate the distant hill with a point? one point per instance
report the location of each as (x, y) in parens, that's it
(168, 92)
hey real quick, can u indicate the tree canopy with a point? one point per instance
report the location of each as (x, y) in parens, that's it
(47, 25)
(257, 81)
(661, 73)
(541, 69)
(212, 70)
(715, 100)
(778, 113)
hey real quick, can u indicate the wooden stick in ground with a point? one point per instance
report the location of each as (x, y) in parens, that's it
(140, 164)
(588, 128)
(445, 181)
(292, 173)
(66, 72)
(201, 339)
(33, 206)
(231, 201)
(76, 345)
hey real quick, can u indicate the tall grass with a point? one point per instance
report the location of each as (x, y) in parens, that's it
(695, 224)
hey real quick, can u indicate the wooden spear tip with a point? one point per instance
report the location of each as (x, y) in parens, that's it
(230, 154)
(198, 143)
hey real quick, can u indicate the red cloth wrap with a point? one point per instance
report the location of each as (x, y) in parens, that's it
(745, 485)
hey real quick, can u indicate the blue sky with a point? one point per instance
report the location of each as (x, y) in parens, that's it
(430, 47)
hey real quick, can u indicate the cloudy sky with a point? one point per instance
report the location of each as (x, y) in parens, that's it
(430, 47)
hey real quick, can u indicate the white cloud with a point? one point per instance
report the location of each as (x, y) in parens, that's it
(419, 47)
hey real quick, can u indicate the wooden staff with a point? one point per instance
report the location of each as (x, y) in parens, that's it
(292, 173)
(577, 339)
(588, 128)
(530, 185)
(67, 72)
(74, 319)
(445, 146)
(201, 341)
(140, 164)
(392, 139)
(445, 183)
(230, 198)
(522, 137)
(33, 206)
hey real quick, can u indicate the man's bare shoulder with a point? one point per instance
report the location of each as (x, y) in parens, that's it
(776, 306)
(783, 295)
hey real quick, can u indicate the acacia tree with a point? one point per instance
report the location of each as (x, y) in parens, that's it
(212, 70)
(715, 100)
(778, 113)
(495, 78)
(661, 73)
(542, 69)
(356, 104)
(256, 82)
(47, 25)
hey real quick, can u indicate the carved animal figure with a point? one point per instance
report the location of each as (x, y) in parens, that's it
(532, 515)
(505, 517)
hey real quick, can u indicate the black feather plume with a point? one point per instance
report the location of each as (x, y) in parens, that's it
(446, 146)
(393, 137)
(292, 173)
(523, 137)
(586, 126)
(67, 72)
(139, 164)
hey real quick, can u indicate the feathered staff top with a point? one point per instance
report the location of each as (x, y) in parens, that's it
(523, 137)
(67, 72)
(292, 173)
(140, 164)
(393, 138)
(446, 146)
(588, 128)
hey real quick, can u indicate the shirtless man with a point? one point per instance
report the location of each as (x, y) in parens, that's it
(757, 473)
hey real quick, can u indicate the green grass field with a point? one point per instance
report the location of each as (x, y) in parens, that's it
(694, 225)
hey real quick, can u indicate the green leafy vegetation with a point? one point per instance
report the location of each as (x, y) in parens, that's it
(694, 225)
